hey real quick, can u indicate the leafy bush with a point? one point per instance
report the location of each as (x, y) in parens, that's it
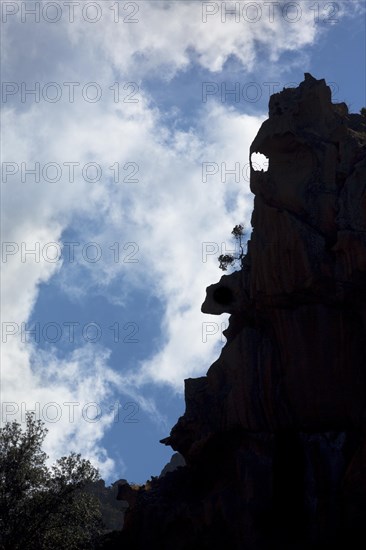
(41, 507)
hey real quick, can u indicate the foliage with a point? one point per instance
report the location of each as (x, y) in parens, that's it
(229, 259)
(363, 111)
(43, 507)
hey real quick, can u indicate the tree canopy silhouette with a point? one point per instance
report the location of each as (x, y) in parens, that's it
(44, 507)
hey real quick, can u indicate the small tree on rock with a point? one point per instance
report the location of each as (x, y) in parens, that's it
(226, 260)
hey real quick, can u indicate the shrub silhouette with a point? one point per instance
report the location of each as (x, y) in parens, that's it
(226, 260)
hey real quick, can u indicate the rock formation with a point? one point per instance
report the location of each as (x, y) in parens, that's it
(274, 435)
(175, 462)
(112, 510)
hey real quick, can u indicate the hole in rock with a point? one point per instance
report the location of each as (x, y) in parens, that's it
(223, 295)
(259, 162)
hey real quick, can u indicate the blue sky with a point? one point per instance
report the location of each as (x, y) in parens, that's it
(119, 272)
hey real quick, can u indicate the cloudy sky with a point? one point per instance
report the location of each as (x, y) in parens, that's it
(126, 129)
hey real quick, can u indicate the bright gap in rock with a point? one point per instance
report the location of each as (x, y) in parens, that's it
(259, 162)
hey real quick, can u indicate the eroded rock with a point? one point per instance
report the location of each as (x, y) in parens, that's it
(274, 435)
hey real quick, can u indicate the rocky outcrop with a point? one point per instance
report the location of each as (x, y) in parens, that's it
(175, 462)
(274, 435)
(112, 510)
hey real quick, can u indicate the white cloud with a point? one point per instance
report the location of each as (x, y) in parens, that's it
(169, 212)
(141, 48)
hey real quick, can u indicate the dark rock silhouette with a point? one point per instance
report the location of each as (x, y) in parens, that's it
(111, 509)
(175, 462)
(274, 436)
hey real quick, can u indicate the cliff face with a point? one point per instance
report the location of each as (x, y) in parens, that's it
(274, 435)
(111, 509)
